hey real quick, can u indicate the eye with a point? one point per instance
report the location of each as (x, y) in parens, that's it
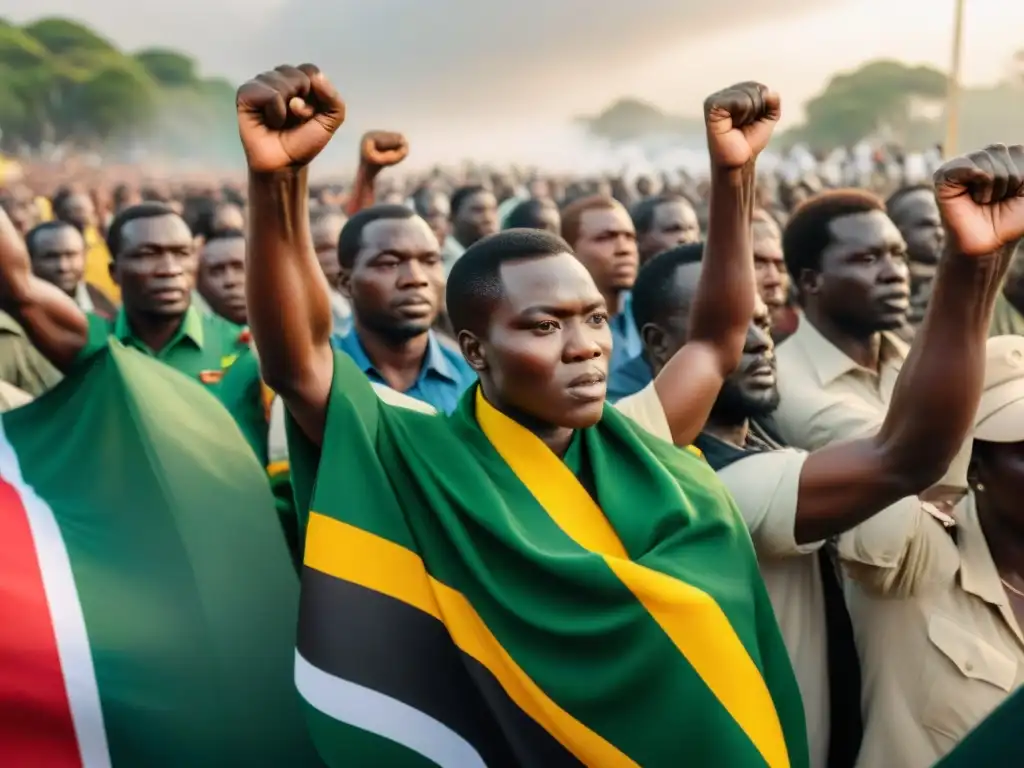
(598, 318)
(546, 326)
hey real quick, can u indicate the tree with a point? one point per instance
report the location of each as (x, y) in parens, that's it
(168, 68)
(628, 119)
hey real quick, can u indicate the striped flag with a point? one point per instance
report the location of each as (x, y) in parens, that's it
(147, 601)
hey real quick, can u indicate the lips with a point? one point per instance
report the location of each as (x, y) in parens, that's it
(588, 379)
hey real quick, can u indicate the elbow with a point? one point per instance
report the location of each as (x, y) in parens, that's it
(917, 470)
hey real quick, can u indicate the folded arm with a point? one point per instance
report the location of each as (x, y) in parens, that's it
(53, 321)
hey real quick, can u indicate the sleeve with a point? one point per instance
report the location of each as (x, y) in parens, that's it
(766, 488)
(813, 420)
(645, 409)
(24, 367)
(97, 338)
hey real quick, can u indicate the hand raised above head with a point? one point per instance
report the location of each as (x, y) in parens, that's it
(740, 120)
(287, 116)
(382, 149)
(981, 198)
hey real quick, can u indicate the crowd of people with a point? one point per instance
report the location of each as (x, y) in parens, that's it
(716, 471)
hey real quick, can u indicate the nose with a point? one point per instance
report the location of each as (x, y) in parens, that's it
(582, 343)
(169, 265)
(412, 273)
(759, 341)
(894, 270)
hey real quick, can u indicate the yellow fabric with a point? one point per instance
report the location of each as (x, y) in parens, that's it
(97, 265)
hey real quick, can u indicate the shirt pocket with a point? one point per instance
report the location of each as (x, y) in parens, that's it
(970, 677)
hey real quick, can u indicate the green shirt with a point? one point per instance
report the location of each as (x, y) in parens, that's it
(203, 347)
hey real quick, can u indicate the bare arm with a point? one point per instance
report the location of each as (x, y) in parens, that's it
(377, 150)
(933, 404)
(363, 192)
(53, 321)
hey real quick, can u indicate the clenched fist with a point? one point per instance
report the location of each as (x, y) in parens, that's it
(381, 149)
(740, 121)
(981, 198)
(286, 117)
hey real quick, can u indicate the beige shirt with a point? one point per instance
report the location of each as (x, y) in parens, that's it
(11, 397)
(938, 640)
(766, 487)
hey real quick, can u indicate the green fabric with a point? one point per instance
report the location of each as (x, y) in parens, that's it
(995, 743)
(203, 347)
(435, 485)
(240, 392)
(185, 585)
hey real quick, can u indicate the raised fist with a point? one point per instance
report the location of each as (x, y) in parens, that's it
(286, 116)
(739, 121)
(981, 198)
(381, 149)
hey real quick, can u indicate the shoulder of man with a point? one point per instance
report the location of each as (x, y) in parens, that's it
(11, 326)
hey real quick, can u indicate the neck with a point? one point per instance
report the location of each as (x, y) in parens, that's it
(1005, 539)
(863, 348)
(614, 298)
(155, 331)
(728, 430)
(398, 361)
(556, 438)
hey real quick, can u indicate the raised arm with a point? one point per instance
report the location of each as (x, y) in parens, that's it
(740, 121)
(981, 197)
(377, 150)
(285, 118)
(53, 321)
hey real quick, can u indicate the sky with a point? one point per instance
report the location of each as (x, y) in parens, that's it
(502, 80)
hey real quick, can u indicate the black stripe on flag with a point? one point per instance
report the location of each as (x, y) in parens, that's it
(388, 646)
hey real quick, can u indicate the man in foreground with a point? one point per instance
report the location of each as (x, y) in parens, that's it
(529, 489)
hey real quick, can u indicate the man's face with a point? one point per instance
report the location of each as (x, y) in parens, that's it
(769, 267)
(325, 234)
(156, 266)
(476, 218)
(438, 214)
(752, 390)
(221, 279)
(863, 286)
(606, 246)
(548, 218)
(917, 216)
(548, 343)
(21, 209)
(58, 257)
(79, 210)
(396, 282)
(675, 223)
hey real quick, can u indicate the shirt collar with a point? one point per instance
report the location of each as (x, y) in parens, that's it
(829, 362)
(434, 361)
(191, 328)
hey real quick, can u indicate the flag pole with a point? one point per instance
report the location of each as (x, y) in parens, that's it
(953, 83)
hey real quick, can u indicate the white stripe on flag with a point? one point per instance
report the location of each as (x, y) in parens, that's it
(377, 713)
(65, 613)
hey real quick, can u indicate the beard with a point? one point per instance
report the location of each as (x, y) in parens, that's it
(736, 405)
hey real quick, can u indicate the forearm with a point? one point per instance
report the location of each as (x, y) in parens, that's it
(363, 194)
(724, 303)
(936, 395)
(292, 336)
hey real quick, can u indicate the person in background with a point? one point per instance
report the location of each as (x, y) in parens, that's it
(57, 250)
(535, 213)
(773, 283)
(663, 222)
(77, 208)
(474, 216)
(914, 211)
(391, 272)
(603, 238)
(433, 207)
(19, 204)
(326, 223)
(220, 278)
(1009, 315)
(377, 150)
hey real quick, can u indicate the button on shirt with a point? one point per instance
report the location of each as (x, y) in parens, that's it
(203, 347)
(939, 644)
(444, 376)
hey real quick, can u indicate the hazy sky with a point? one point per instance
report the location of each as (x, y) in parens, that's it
(474, 76)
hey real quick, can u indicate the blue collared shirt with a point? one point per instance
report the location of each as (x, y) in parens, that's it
(629, 378)
(445, 375)
(626, 342)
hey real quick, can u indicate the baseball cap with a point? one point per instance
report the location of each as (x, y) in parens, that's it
(1000, 415)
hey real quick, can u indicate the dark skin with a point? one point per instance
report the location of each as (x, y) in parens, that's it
(843, 484)
(917, 216)
(326, 232)
(78, 209)
(59, 257)
(476, 218)
(675, 223)
(770, 268)
(395, 288)
(286, 117)
(606, 246)
(21, 208)
(221, 278)
(377, 150)
(862, 288)
(548, 218)
(437, 212)
(997, 471)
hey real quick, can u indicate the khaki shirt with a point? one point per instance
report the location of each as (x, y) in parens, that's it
(938, 640)
(11, 397)
(21, 364)
(766, 488)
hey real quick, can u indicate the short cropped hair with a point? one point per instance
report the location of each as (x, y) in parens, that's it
(350, 242)
(462, 194)
(225, 234)
(147, 210)
(526, 215)
(654, 293)
(807, 233)
(642, 212)
(47, 226)
(474, 285)
(897, 197)
(573, 214)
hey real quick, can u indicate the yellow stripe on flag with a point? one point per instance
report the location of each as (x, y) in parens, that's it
(357, 556)
(689, 616)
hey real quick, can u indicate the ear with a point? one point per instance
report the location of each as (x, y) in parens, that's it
(114, 273)
(656, 345)
(344, 285)
(809, 283)
(473, 351)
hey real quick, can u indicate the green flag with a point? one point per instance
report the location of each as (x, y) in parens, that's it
(467, 601)
(148, 603)
(996, 742)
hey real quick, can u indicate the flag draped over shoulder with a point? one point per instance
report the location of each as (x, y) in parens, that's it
(465, 602)
(148, 603)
